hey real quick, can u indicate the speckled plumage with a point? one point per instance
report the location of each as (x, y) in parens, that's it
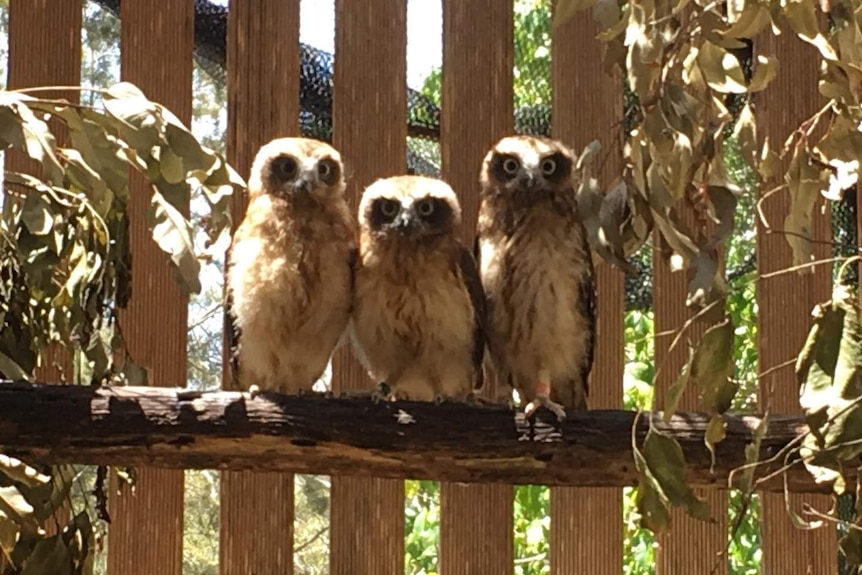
(419, 308)
(537, 273)
(290, 267)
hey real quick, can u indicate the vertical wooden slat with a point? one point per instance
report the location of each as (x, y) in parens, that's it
(45, 50)
(785, 304)
(370, 131)
(256, 509)
(691, 545)
(156, 55)
(586, 523)
(477, 110)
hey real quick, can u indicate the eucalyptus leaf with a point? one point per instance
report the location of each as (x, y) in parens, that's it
(173, 232)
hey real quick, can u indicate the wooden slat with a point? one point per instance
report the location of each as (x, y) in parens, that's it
(691, 545)
(256, 510)
(586, 524)
(370, 131)
(785, 304)
(477, 109)
(45, 50)
(156, 55)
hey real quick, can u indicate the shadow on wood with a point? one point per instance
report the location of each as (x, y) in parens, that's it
(178, 428)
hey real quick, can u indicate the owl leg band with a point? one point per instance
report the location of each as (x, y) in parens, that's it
(542, 392)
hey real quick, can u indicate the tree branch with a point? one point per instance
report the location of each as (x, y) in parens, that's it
(178, 428)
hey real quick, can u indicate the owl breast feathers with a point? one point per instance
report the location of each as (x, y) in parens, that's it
(290, 266)
(537, 272)
(419, 307)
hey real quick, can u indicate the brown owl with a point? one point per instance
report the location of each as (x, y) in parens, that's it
(537, 273)
(418, 321)
(291, 267)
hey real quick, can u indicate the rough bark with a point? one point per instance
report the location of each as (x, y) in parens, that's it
(177, 428)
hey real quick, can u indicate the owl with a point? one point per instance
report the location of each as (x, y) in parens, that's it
(418, 320)
(290, 271)
(537, 272)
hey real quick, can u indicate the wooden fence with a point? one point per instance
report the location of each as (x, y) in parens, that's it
(367, 515)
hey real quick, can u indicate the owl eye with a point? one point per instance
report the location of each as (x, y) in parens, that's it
(549, 166)
(510, 166)
(284, 167)
(389, 208)
(326, 169)
(425, 208)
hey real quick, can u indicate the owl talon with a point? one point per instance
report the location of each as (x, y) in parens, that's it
(544, 401)
(253, 391)
(378, 395)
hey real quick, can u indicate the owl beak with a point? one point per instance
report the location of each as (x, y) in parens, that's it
(405, 222)
(305, 184)
(527, 180)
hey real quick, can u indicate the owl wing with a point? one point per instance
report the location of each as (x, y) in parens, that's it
(473, 283)
(587, 306)
(352, 260)
(233, 333)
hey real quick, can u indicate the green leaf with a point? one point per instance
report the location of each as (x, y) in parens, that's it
(15, 506)
(9, 531)
(754, 18)
(565, 10)
(716, 431)
(36, 213)
(650, 502)
(803, 181)
(654, 513)
(185, 146)
(745, 132)
(675, 391)
(11, 370)
(18, 471)
(663, 465)
(851, 545)
(49, 556)
(140, 123)
(765, 71)
(173, 233)
(829, 370)
(721, 70)
(39, 143)
(171, 165)
(706, 285)
(713, 365)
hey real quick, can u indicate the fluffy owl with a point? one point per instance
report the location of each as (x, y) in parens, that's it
(418, 321)
(537, 273)
(291, 267)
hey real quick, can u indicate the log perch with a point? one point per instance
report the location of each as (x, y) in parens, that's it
(186, 429)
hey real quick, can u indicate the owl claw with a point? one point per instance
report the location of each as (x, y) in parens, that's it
(253, 391)
(544, 401)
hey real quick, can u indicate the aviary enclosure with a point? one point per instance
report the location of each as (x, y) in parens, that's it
(357, 100)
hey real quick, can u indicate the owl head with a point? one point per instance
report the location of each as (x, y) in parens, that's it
(406, 208)
(297, 169)
(528, 169)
